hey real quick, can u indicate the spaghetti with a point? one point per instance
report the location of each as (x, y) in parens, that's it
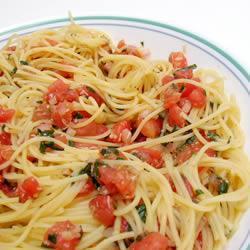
(102, 148)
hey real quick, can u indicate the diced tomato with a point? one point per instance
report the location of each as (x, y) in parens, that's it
(92, 129)
(62, 114)
(118, 181)
(175, 117)
(6, 114)
(88, 91)
(121, 132)
(211, 152)
(121, 44)
(171, 97)
(184, 155)
(6, 152)
(124, 225)
(189, 187)
(1, 73)
(32, 158)
(86, 145)
(200, 239)
(42, 112)
(141, 138)
(185, 105)
(166, 79)
(152, 128)
(87, 189)
(178, 60)
(153, 241)
(5, 138)
(29, 189)
(187, 74)
(64, 73)
(102, 209)
(61, 138)
(83, 113)
(59, 92)
(150, 155)
(52, 42)
(9, 189)
(198, 98)
(171, 183)
(63, 236)
(188, 88)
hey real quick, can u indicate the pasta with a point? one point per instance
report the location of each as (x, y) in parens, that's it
(104, 148)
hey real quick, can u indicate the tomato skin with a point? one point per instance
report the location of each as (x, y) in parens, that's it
(152, 128)
(121, 132)
(171, 97)
(52, 42)
(153, 241)
(62, 114)
(5, 138)
(92, 129)
(102, 209)
(185, 105)
(188, 88)
(118, 181)
(42, 112)
(171, 182)
(198, 98)
(6, 152)
(65, 74)
(65, 234)
(87, 189)
(166, 79)
(150, 155)
(175, 117)
(178, 60)
(6, 114)
(59, 92)
(29, 189)
(87, 91)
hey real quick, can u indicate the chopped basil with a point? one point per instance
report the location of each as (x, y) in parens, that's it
(71, 143)
(78, 115)
(198, 192)
(223, 187)
(49, 133)
(39, 102)
(192, 66)
(24, 63)
(52, 238)
(108, 151)
(212, 136)
(120, 158)
(3, 127)
(182, 87)
(50, 144)
(13, 72)
(191, 140)
(142, 43)
(229, 140)
(175, 128)
(90, 89)
(142, 211)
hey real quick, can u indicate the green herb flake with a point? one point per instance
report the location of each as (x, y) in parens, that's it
(142, 211)
(175, 128)
(90, 89)
(212, 136)
(52, 238)
(192, 66)
(50, 144)
(229, 140)
(120, 158)
(49, 133)
(39, 102)
(78, 115)
(108, 151)
(198, 192)
(3, 128)
(191, 140)
(24, 63)
(223, 187)
(13, 72)
(142, 43)
(71, 143)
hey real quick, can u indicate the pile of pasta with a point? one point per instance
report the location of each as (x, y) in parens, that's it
(103, 148)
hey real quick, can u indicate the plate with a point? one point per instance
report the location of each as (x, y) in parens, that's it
(162, 39)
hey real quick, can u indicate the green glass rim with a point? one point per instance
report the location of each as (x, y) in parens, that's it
(138, 20)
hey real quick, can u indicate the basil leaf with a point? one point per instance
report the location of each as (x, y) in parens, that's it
(90, 89)
(49, 133)
(49, 144)
(142, 211)
(223, 187)
(71, 143)
(110, 150)
(191, 140)
(13, 72)
(198, 192)
(78, 115)
(192, 66)
(52, 238)
(142, 43)
(24, 63)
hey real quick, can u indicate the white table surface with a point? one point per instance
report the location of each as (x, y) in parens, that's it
(223, 22)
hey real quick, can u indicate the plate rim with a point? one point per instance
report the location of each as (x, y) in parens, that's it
(158, 24)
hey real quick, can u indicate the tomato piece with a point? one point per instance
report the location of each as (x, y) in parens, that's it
(198, 98)
(211, 152)
(64, 73)
(29, 189)
(52, 42)
(6, 114)
(166, 79)
(152, 128)
(63, 235)
(189, 187)
(9, 189)
(121, 132)
(124, 225)
(200, 239)
(141, 138)
(171, 97)
(1, 73)
(121, 44)
(187, 74)
(188, 89)
(153, 241)
(59, 92)
(102, 209)
(92, 129)
(61, 138)
(62, 114)
(184, 155)
(150, 155)
(6, 152)
(175, 117)
(118, 181)
(171, 182)
(185, 105)
(178, 60)
(88, 91)
(82, 113)
(5, 138)
(87, 189)
(42, 112)
(86, 145)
